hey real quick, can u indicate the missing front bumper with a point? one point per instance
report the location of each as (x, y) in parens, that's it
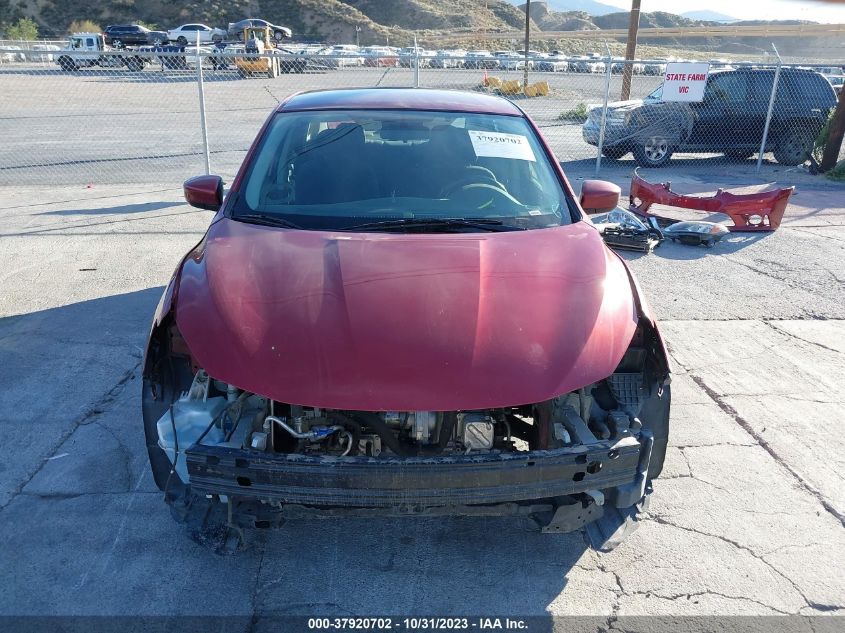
(414, 485)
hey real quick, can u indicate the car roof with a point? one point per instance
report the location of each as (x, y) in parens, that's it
(399, 99)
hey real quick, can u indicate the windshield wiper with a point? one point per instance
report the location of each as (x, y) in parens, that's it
(484, 224)
(265, 219)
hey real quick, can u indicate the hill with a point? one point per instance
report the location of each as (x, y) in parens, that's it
(324, 20)
(710, 16)
(590, 7)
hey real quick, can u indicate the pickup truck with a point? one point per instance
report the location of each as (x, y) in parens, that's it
(85, 50)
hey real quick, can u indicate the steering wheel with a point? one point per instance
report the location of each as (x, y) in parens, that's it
(473, 174)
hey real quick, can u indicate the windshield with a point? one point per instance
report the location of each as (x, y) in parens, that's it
(656, 95)
(343, 169)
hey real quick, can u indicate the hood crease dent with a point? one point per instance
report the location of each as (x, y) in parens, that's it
(398, 322)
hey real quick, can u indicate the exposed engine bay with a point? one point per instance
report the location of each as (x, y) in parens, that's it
(213, 413)
(571, 459)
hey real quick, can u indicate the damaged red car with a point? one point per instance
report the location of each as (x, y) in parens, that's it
(400, 308)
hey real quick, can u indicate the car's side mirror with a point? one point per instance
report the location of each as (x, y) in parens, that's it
(204, 192)
(599, 196)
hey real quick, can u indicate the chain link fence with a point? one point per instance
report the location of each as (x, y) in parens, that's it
(136, 116)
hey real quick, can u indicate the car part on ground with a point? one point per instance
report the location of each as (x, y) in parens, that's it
(696, 233)
(759, 211)
(302, 360)
(622, 229)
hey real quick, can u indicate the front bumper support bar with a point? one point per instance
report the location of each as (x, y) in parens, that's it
(413, 483)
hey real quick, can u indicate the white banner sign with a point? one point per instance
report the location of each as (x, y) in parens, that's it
(685, 81)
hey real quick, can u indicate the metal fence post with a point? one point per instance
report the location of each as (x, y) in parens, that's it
(604, 109)
(416, 63)
(771, 107)
(203, 124)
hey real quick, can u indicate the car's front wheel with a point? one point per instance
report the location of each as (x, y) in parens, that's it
(182, 40)
(117, 43)
(67, 64)
(653, 151)
(794, 148)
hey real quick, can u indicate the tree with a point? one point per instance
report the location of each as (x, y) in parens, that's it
(835, 135)
(23, 29)
(84, 26)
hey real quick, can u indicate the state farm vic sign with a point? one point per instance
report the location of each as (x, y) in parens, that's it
(684, 81)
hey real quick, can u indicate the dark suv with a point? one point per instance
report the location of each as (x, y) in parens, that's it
(729, 120)
(120, 35)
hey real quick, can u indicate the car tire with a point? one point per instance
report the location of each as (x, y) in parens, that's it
(67, 64)
(117, 43)
(278, 36)
(793, 148)
(614, 153)
(182, 40)
(653, 151)
(157, 41)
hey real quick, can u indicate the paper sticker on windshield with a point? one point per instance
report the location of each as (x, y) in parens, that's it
(501, 145)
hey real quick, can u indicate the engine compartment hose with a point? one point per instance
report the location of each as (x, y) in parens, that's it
(317, 433)
(348, 423)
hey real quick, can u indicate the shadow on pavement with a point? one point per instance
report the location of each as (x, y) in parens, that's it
(89, 524)
(142, 207)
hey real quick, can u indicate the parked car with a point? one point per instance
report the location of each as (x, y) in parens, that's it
(556, 62)
(730, 119)
(187, 34)
(480, 59)
(409, 55)
(278, 33)
(12, 54)
(354, 335)
(121, 35)
(655, 68)
(447, 59)
(340, 56)
(379, 56)
(42, 52)
(510, 60)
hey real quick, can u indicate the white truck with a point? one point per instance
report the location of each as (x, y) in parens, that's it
(85, 50)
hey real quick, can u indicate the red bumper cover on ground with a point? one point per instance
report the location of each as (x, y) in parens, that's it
(762, 211)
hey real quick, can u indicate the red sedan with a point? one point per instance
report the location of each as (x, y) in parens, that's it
(400, 307)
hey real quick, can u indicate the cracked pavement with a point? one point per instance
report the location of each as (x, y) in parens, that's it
(746, 520)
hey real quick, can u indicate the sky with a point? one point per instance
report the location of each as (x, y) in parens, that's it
(749, 9)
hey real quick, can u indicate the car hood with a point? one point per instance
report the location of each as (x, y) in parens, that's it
(399, 322)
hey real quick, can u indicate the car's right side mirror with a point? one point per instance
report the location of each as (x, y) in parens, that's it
(599, 196)
(204, 192)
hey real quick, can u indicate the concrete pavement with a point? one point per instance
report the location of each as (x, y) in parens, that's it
(747, 519)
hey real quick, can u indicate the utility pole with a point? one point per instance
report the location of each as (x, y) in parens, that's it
(630, 50)
(527, 41)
